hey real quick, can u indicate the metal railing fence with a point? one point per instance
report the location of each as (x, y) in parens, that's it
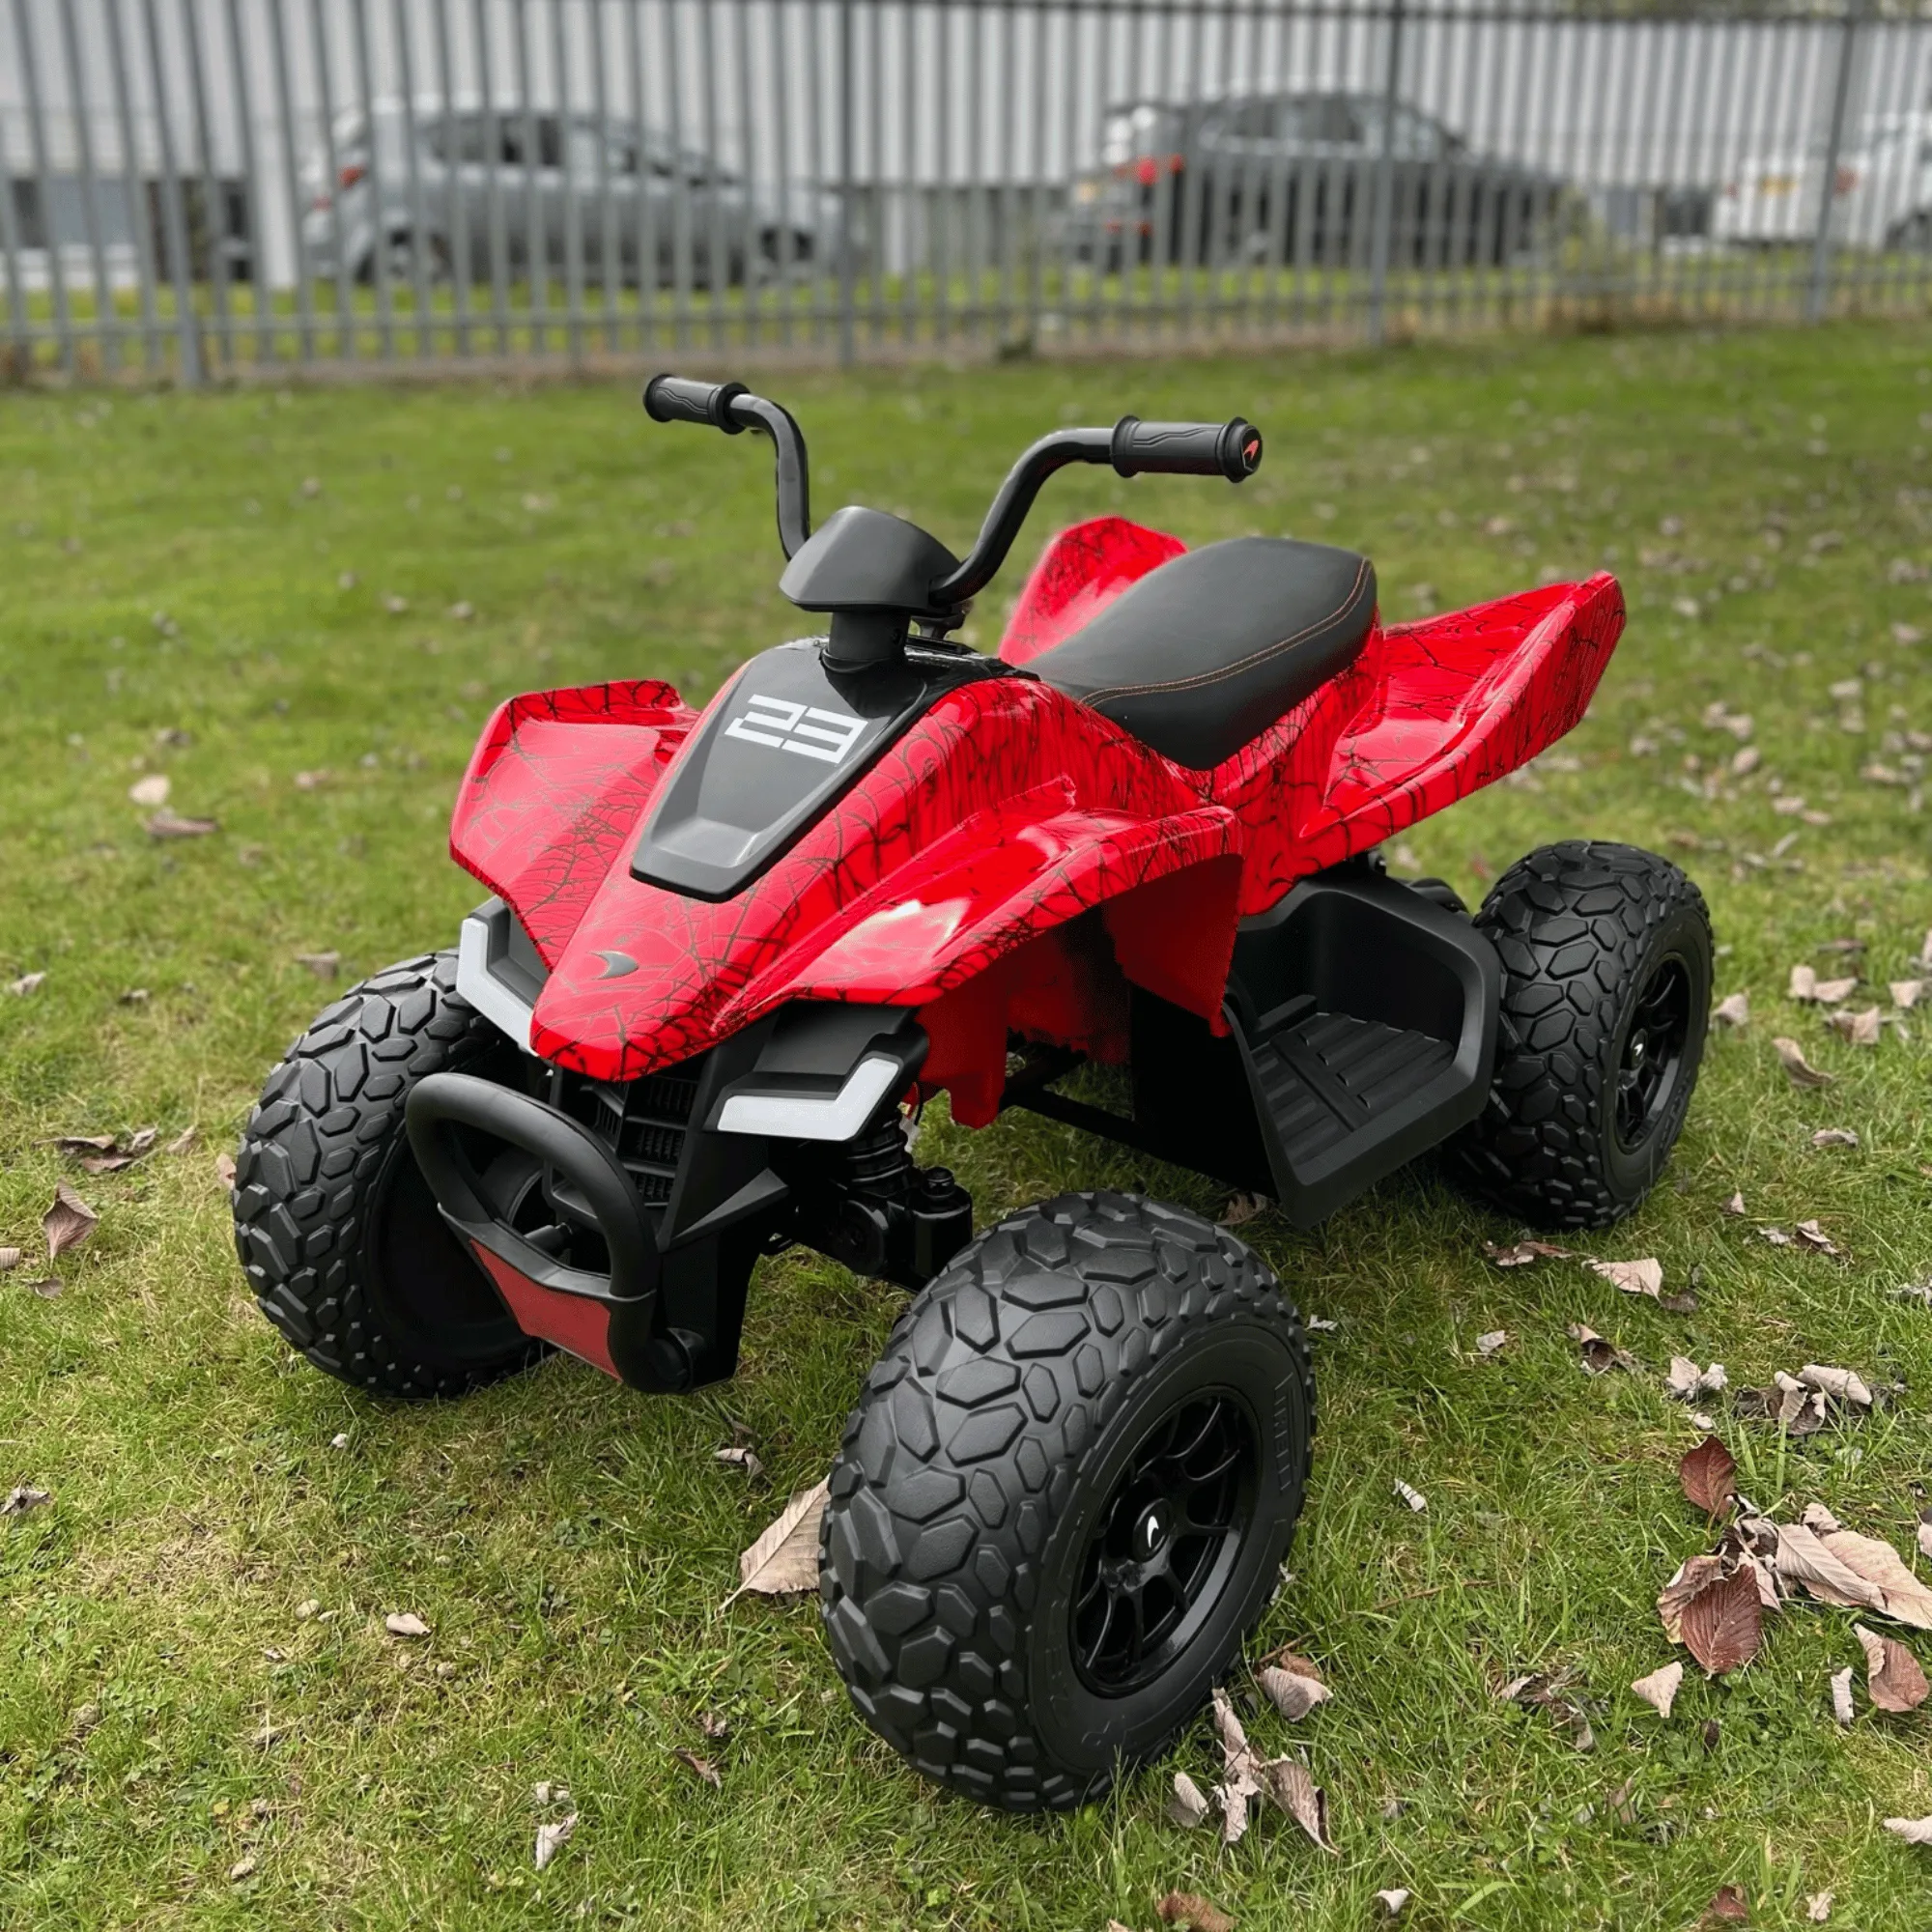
(194, 189)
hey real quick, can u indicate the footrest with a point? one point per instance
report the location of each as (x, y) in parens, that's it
(1367, 1018)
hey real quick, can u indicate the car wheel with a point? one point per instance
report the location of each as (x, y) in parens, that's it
(1606, 992)
(1065, 1497)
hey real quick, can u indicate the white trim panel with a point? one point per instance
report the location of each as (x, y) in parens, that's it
(808, 1117)
(481, 987)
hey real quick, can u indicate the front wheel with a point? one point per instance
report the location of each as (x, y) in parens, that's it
(1606, 992)
(1065, 1497)
(336, 1228)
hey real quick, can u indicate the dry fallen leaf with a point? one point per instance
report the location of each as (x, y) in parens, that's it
(1804, 1560)
(740, 1456)
(1827, 1137)
(1841, 1696)
(151, 790)
(551, 1838)
(1686, 1380)
(1733, 1011)
(784, 1560)
(1393, 1900)
(167, 824)
(1707, 1476)
(1906, 993)
(1735, 1206)
(1890, 1586)
(1861, 1028)
(1893, 1679)
(1243, 1207)
(1809, 1235)
(1791, 1057)
(1413, 1497)
(1549, 1693)
(700, 1766)
(1186, 1804)
(1727, 1908)
(1914, 1831)
(1286, 1781)
(182, 1142)
(67, 1223)
(323, 965)
(1659, 1689)
(10, 1258)
(1189, 1909)
(1598, 1352)
(23, 1498)
(1818, 1908)
(1723, 1624)
(1925, 1540)
(405, 1623)
(1802, 983)
(1845, 1386)
(242, 1868)
(1293, 1685)
(1524, 1253)
(224, 1169)
(1642, 1277)
(1488, 1345)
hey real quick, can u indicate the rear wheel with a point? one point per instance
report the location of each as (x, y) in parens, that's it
(1606, 963)
(338, 1230)
(1065, 1497)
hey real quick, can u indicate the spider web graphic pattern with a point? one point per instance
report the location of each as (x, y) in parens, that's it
(555, 786)
(1022, 807)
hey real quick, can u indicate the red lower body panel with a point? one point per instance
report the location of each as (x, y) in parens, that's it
(574, 1323)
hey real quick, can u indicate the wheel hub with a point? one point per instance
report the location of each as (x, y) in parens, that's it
(1653, 1054)
(1163, 1546)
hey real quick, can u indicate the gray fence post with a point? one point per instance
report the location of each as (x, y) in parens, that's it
(1385, 215)
(848, 352)
(1818, 293)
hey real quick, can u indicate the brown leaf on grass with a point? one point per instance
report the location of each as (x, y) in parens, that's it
(1642, 1277)
(1392, 1900)
(1488, 1345)
(1818, 1908)
(1735, 1206)
(1830, 1137)
(1686, 1380)
(1523, 1253)
(1186, 1803)
(1802, 983)
(1547, 1691)
(1830, 992)
(1727, 1908)
(1914, 1831)
(1599, 1355)
(182, 1142)
(1809, 1235)
(1723, 1624)
(136, 996)
(1734, 1010)
(1286, 1781)
(104, 1154)
(1861, 1028)
(1906, 993)
(224, 1169)
(323, 965)
(1924, 1539)
(1892, 1676)
(1707, 1476)
(700, 1766)
(27, 983)
(1189, 1909)
(740, 1456)
(1803, 1561)
(312, 780)
(1844, 1385)
(68, 1222)
(1892, 1590)
(1293, 1685)
(405, 1623)
(10, 1258)
(1242, 1208)
(551, 1838)
(784, 1560)
(1791, 1057)
(1241, 1770)
(23, 1498)
(151, 791)
(1659, 1689)
(172, 825)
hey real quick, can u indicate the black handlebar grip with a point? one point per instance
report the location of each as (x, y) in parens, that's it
(678, 399)
(1232, 449)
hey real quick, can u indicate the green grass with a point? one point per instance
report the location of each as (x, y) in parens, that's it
(569, 1542)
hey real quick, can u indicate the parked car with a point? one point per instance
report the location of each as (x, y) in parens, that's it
(1292, 177)
(1881, 191)
(505, 188)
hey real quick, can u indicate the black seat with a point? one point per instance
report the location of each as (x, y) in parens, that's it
(1206, 652)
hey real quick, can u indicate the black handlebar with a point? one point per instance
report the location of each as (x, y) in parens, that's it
(1232, 449)
(732, 408)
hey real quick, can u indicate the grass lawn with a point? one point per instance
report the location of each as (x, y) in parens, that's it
(219, 568)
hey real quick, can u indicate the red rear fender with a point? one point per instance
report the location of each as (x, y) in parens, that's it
(1078, 574)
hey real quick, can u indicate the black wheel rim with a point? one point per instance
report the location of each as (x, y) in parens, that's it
(1651, 1064)
(1165, 1545)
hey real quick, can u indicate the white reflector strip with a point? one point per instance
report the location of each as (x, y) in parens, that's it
(808, 1117)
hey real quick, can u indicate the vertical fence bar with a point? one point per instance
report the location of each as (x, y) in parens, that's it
(285, 116)
(23, 359)
(495, 222)
(106, 313)
(1818, 289)
(37, 146)
(422, 248)
(175, 224)
(251, 189)
(379, 238)
(572, 211)
(1384, 214)
(455, 159)
(214, 208)
(331, 187)
(848, 353)
(130, 174)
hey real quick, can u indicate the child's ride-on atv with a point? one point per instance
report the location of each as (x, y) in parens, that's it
(729, 954)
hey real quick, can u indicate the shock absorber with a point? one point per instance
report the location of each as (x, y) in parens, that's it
(891, 1218)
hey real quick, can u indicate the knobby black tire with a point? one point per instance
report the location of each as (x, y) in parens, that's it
(970, 1470)
(333, 1222)
(1579, 927)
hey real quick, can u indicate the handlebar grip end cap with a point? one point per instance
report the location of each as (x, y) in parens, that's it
(1240, 450)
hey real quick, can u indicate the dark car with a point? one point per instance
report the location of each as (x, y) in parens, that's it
(1290, 178)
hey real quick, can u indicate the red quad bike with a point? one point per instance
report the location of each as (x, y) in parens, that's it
(729, 954)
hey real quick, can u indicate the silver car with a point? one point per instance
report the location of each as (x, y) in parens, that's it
(497, 189)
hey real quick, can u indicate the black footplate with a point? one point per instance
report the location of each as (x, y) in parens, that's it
(1366, 1012)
